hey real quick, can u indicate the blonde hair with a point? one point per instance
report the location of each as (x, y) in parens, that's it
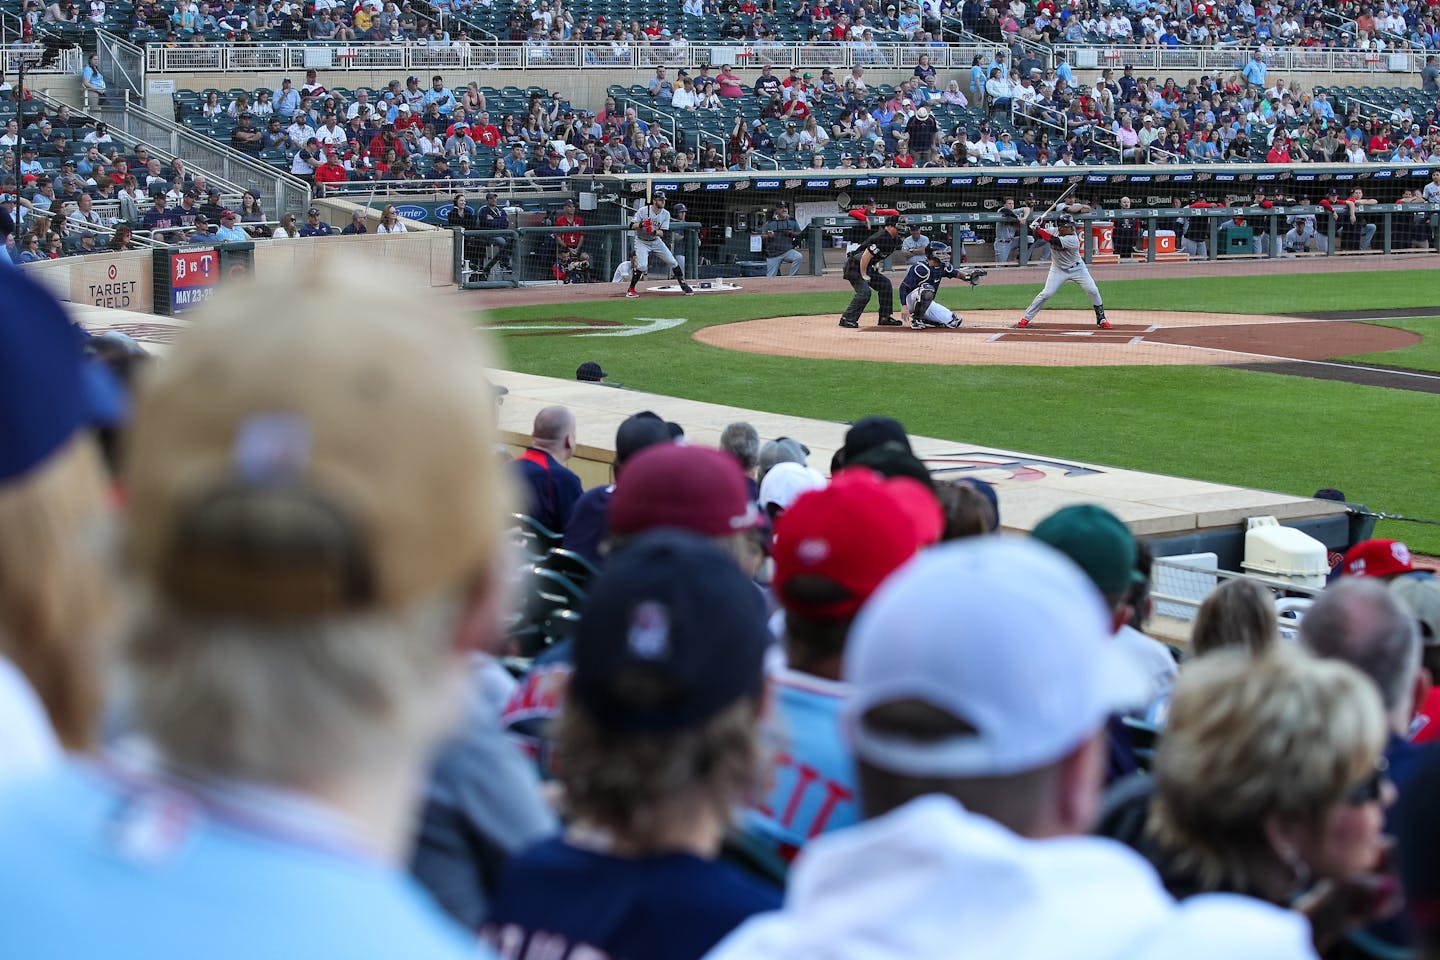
(1251, 738)
(55, 590)
(295, 703)
(637, 786)
(1238, 613)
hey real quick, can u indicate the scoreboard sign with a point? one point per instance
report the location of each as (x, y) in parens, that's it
(194, 275)
(185, 277)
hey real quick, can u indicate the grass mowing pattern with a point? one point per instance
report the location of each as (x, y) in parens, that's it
(1423, 356)
(1228, 426)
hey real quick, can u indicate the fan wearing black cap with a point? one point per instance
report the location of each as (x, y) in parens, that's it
(659, 737)
(314, 226)
(492, 216)
(865, 268)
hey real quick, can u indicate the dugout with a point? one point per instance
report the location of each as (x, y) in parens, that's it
(730, 207)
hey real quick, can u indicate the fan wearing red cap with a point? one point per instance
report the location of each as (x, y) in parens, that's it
(1377, 558)
(833, 548)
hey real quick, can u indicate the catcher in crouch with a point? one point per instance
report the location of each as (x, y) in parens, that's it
(918, 289)
(650, 223)
(1067, 265)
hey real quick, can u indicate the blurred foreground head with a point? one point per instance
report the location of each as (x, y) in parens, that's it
(316, 509)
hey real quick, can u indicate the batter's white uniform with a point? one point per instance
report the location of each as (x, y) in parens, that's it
(1066, 266)
(659, 223)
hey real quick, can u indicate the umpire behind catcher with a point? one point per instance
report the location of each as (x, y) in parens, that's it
(864, 268)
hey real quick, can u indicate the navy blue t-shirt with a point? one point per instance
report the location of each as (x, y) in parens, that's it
(550, 488)
(671, 907)
(589, 522)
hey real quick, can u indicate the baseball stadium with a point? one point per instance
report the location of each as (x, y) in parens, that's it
(679, 479)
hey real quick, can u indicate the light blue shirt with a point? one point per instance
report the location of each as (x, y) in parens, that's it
(286, 102)
(813, 787)
(1063, 72)
(231, 234)
(99, 863)
(1254, 72)
(443, 97)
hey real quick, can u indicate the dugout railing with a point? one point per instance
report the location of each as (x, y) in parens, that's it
(1397, 229)
(488, 259)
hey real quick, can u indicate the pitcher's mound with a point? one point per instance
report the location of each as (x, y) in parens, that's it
(1064, 338)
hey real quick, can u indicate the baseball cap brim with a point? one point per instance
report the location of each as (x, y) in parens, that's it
(1121, 683)
(1005, 634)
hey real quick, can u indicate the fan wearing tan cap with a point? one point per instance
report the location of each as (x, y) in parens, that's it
(315, 529)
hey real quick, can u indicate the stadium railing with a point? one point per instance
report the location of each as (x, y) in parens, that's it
(532, 253)
(498, 55)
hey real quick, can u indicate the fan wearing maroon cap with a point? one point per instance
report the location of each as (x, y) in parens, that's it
(662, 487)
(590, 518)
(833, 548)
(658, 741)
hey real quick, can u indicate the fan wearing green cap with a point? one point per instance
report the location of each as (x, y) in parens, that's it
(1102, 546)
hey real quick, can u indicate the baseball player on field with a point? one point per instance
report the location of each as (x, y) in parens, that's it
(1066, 266)
(650, 224)
(918, 289)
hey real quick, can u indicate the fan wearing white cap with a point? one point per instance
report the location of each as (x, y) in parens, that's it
(982, 674)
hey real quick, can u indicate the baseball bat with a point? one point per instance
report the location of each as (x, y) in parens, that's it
(1068, 190)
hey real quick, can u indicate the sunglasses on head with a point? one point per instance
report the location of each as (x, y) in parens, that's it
(1372, 788)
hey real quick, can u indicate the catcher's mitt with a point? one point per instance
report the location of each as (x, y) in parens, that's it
(973, 276)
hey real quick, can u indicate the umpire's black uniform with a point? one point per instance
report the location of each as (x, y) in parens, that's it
(878, 245)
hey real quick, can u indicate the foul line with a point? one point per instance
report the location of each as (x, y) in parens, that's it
(1318, 363)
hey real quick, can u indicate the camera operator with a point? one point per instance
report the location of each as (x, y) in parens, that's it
(781, 233)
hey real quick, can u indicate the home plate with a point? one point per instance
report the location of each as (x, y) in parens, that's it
(699, 286)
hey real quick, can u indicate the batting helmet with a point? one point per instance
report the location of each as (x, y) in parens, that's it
(1065, 220)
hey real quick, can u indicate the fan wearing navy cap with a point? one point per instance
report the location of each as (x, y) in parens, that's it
(659, 485)
(492, 216)
(314, 226)
(659, 740)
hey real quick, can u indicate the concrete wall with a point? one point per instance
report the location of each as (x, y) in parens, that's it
(425, 257)
(119, 280)
(125, 280)
(586, 88)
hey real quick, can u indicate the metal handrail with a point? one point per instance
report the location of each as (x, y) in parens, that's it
(123, 62)
(402, 58)
(279, 191)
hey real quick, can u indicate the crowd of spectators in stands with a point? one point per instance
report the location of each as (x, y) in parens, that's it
(1023, 114)
(860, 24)
(792, 711)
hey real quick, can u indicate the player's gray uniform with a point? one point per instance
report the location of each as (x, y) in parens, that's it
(1302, 233)
(1007, 239)
(659, 221)
(1066, 266)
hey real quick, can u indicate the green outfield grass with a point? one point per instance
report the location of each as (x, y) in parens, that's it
(1423, 356)
(1229, 426)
